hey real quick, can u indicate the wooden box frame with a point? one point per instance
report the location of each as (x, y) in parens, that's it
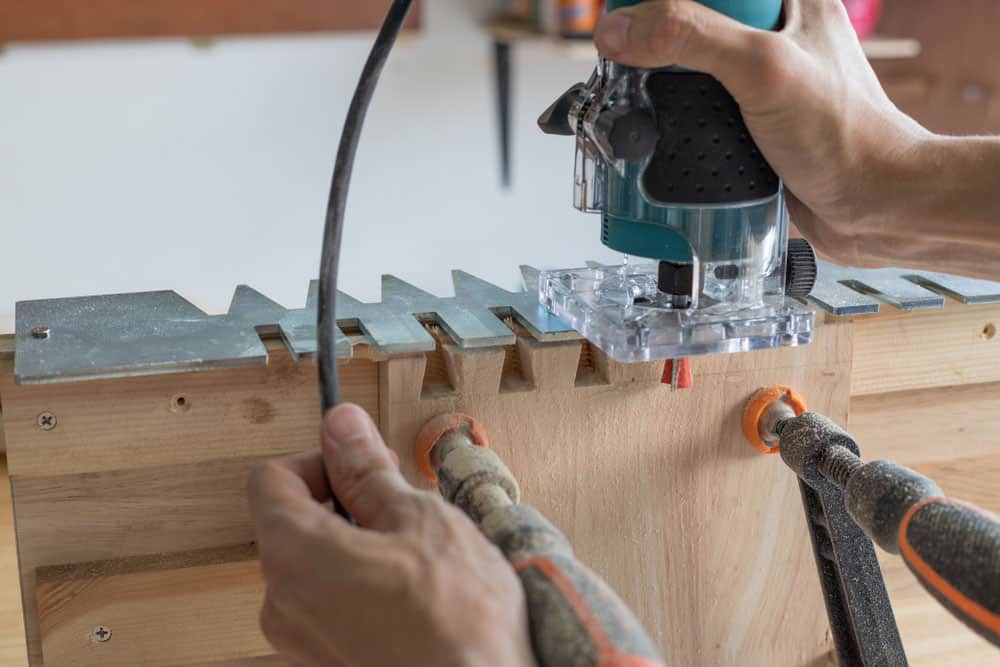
(132, 512)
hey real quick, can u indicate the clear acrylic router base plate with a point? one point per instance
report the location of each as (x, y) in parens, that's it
(620, 310)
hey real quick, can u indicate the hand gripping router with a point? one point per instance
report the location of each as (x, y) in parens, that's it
(665, 158)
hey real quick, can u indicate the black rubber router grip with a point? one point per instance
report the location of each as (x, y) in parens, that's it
(954, 551)
(705, 154)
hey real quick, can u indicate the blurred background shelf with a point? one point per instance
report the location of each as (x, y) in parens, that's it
(73, 20)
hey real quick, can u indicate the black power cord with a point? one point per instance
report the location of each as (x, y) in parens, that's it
(333, 233)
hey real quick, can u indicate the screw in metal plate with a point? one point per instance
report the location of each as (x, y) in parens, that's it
(47, 421)
(101, 633)
(41, 332)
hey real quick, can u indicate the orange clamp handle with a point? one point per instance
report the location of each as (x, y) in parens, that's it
(953, 548)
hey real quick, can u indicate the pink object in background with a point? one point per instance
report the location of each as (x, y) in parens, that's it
(864, 15)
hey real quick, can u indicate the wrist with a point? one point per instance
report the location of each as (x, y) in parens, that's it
(899, 176)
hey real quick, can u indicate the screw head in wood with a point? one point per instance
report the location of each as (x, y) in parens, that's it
(101, 633)
(40, 332)
(47, 421)
(180, 404)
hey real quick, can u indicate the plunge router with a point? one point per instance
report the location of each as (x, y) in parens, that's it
(664, 156)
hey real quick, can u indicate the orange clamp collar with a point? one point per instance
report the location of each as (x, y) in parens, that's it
(758, 407)
(432, 432)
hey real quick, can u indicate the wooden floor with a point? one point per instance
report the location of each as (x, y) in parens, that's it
(914, 610)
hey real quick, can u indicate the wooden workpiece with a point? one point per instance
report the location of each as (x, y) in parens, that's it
(131, 513)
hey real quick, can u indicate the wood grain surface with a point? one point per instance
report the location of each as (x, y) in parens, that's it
(158, 616)
(140, 422)
(626, 468)
(955, 345)
(36, 20)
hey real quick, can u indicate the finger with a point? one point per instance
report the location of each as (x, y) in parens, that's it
(297, 481)
(287, 504)
(689, 34)
(292, 640)
(361, 470)
(308, 467)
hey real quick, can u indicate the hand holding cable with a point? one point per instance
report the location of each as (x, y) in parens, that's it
(413, 583)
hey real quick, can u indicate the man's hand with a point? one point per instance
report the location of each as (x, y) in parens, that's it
(810, 99)
(414, 584)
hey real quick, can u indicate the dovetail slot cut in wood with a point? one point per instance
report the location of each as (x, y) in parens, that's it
(438, 376)
(512, 376)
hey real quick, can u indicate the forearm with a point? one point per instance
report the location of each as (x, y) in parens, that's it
(939, 208)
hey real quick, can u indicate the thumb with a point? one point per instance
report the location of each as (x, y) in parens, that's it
(362, 471)
(686, 33)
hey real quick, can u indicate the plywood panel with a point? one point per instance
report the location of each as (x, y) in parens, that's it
(628, 469)
(930, 425)
(138, 474)
(900, 351)
(157, 617)
(32, 20)
(135, 423)
(120, 514)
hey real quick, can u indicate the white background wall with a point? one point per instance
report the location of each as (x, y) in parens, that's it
(133, 166)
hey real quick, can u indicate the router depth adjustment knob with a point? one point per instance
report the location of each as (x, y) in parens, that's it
(631, 134)
(800, 276)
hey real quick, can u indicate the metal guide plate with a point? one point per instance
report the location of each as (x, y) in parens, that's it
(298, 327)
(847, 291)
(127, 334)
(522, 306)
(967, 290)
(160, 332)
